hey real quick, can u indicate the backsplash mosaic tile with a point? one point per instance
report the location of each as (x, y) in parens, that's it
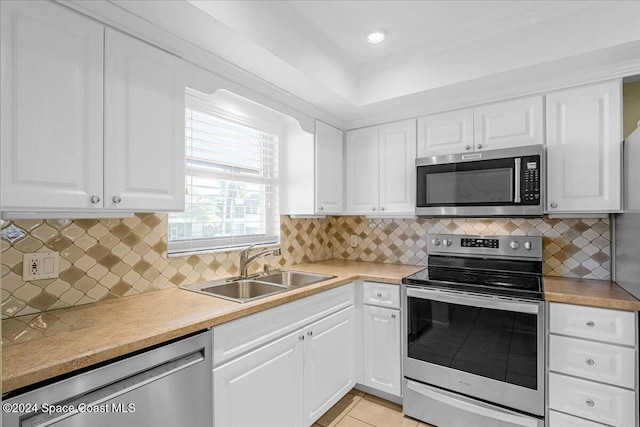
(111, 258)
(572, 247)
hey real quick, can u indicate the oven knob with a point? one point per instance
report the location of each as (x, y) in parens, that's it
(527, 245)
(436, 242)
(514, 245)
(447, 242)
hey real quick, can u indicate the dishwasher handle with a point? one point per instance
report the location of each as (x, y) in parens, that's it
(113, 390)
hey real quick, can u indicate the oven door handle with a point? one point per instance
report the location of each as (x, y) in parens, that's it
(462, 403)
(474, 301)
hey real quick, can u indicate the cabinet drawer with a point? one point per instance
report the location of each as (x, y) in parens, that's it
(590, 360)
(601, 324)
(558, 419)
(381, 294)
(598, 402)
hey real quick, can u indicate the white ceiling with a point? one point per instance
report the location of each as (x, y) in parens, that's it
(438, 54)
(409, 24)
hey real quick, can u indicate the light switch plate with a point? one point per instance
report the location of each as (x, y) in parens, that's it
(40, 265)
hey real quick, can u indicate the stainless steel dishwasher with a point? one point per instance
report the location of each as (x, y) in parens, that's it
(166, 386)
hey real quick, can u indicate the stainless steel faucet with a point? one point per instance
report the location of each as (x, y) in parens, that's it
(246, 260)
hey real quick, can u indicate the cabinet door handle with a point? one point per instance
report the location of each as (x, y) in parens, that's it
(479, 146)
(590, 362)
(301, 337)
(467, 147)
(591, 323)
(95, 199)
(116, 199)
(590, 402)
(310, 333)
(373, 209)
(393, 316)
(554, 205)
(382, 208)
(321, 208)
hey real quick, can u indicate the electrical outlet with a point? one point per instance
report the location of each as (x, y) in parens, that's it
(40, 265)
(354, 241)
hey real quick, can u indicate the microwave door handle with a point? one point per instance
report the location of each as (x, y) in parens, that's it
(518, 167)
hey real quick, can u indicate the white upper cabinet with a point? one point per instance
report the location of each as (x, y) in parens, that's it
(312, 171)
(584, 143)
(144, 126)
(445, 133)
(397, 177)
(362, 171)
(381, 169)
(91, 121)
(509, 124)
(52, 107)
(329, 169)
(506, 124)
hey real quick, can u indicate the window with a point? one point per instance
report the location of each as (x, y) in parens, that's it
(231, 191)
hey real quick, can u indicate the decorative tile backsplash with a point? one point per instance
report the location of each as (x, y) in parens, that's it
(111, 258)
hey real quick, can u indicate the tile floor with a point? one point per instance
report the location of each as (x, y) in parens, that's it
(358, 409)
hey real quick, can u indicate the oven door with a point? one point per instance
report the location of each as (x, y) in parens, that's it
(484, 346)
(493, 183)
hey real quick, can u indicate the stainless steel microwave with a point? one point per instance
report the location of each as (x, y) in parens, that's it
(506, 183)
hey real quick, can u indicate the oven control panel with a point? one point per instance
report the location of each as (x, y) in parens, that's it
(507, 247)
(480, 243)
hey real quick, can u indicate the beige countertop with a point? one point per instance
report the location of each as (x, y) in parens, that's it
(98, 332)
(77, 337)
(596, 293)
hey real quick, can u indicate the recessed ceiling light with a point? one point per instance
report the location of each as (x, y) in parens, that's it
(376, 36)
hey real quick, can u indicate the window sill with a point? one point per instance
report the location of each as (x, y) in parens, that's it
(221, 250)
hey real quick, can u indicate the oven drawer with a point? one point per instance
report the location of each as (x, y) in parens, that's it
(598, 402)
(595, 361)
(446, 409)
(381, 294)
(593, 323)
(558, 419)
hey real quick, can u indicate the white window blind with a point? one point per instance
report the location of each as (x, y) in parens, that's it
(231, 191)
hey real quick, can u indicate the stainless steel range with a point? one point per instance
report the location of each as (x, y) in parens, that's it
(473, 352)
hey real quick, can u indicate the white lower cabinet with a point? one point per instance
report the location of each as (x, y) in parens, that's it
(262, 388)
(593, 373)
(329, 363)
(381, 349)
(382, 362)
(294, 376)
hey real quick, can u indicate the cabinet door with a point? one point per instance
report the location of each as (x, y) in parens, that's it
(329, 169)
(445, 133)
(362, 171)
(329, 363)
(261, 388)
(52, 115)
(584, 149)
(144, 126)
(397, 178)
(509, 124)
(382, 349)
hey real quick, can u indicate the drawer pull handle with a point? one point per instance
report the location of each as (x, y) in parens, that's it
(379, 294)
(393, 316)
(590, 362)
(591, 324)
(590, 402)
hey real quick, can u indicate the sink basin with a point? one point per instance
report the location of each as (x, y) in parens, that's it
(240, 290)
(293, 278)
(256, 287)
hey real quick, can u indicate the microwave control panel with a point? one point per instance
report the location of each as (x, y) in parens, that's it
(531, 180)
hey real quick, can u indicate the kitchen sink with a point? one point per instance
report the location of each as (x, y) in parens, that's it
(244, 290)
(294, 278)
(239, 290)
